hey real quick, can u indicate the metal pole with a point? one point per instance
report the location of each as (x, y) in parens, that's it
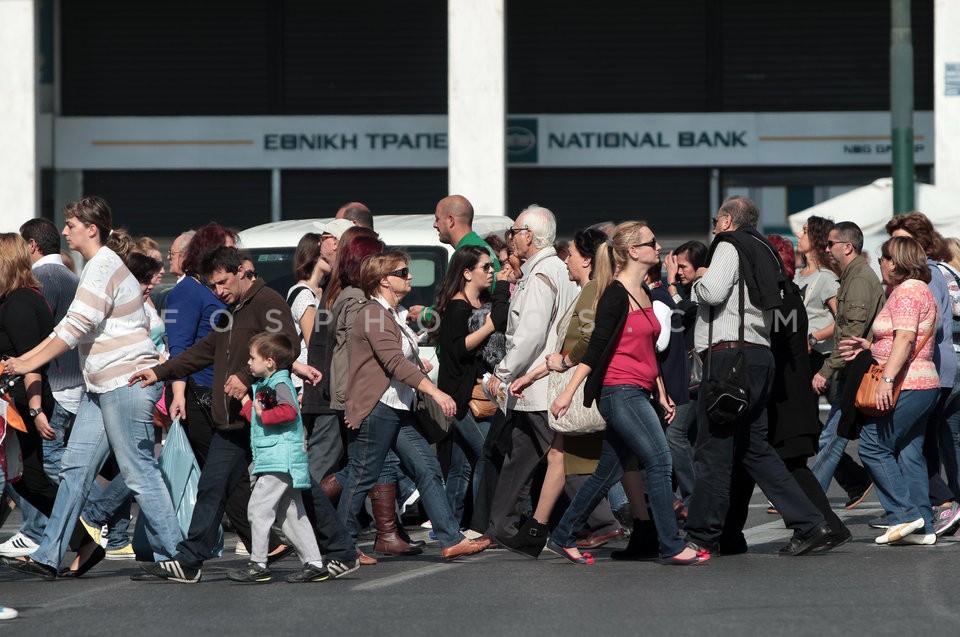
(901, 105)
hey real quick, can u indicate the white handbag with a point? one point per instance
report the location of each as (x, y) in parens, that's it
(578, 420)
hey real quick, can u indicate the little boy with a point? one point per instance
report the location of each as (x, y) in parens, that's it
(279, 463)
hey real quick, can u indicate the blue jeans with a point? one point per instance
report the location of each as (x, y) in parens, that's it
(466, 460)
(61, 421)
(632, 429)
(950, 438)
(681, 448)
(33, 519)
(384, 429)
(891, 449)
(110, 505)
(832, 445)
(120, 420)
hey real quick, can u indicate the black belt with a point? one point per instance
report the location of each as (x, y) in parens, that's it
(732, 345)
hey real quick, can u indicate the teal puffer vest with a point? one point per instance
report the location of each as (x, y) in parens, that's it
(279, 448)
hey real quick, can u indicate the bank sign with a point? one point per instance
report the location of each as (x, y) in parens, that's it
(614, 140)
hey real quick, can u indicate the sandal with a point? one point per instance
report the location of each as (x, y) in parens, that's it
(564, 552)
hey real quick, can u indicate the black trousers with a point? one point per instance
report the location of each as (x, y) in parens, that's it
(721, 448)
(530, 440)
(199, 428)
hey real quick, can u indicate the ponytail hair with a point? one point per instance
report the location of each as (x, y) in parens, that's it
(121, 243)
(612, 255)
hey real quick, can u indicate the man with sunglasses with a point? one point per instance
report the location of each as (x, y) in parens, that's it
(859, 299)
(453, 221)
(543, 293)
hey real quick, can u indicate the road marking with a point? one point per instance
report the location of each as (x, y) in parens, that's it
(401, 578)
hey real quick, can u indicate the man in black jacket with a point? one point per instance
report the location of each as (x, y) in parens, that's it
(737, 295)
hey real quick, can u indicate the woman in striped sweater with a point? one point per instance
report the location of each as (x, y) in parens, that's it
(108, 323)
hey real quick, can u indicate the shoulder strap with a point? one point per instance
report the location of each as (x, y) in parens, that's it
(953, 273)
(294, 293)
(926, 338)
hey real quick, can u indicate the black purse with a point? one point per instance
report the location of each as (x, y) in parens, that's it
(431, 422)
(726, 397)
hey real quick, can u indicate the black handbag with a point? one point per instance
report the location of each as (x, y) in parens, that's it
(727, 397)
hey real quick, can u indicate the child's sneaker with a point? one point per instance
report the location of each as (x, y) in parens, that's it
(252, 573)
(125, 553)
(309, 573)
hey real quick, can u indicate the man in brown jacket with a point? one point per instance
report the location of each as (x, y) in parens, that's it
(254, 308)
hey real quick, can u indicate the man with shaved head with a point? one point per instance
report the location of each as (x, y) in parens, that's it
(356, 212)
(453, 220)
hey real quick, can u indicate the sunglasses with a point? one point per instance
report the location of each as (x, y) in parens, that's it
(512, 232)
(830, 244)
(402, 273)
(486, 267)
(652, 243)
(883, 258)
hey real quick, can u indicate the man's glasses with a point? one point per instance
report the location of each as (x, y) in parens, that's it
(831, 243)
(512, 232)
(402, 273)
(170, 253)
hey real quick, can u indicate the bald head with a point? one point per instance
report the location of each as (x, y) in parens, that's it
(356, 212)
(177, 249)
(453, 219)
(457, 206)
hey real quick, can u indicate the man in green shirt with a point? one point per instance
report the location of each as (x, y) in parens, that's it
(453, 220)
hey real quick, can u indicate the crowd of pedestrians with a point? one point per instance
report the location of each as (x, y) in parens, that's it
(572, 388)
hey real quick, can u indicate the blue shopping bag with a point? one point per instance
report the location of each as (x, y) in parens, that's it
(181, 474)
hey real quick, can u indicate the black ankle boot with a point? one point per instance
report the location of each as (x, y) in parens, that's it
(643, 545)
(529, 540)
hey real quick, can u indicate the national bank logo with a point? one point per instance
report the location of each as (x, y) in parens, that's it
(522, 140)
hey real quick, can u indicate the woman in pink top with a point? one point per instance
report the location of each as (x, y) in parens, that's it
(891, 446)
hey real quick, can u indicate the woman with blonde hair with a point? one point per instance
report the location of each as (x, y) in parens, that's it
(891, 446)
(622, 376)
(108, 322)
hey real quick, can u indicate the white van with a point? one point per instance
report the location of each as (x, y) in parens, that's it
(271, 247)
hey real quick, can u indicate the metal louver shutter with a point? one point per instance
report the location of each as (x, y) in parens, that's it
(817, 55)
(170, 58)
(566, 56)
(164, 203)
(672, 201)
(320, 193)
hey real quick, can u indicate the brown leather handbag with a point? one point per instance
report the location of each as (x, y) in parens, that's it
(480, 406)
(866, 400)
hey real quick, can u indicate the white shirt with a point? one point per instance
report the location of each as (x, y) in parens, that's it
(400, 395)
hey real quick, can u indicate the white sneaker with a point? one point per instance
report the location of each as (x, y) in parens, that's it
(900, 531)
(18, 546)
(8, 613)
(409, 502)
(920, 539)
(240, 549)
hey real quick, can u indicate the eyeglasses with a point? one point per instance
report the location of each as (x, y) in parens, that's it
(512, 232)
(883, 258)
(170, 253)
(652, 243)
(402, 273)
(486, 267)
(717, 218)
(830, 243)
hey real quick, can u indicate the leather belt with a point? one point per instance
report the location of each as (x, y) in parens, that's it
(734, 345)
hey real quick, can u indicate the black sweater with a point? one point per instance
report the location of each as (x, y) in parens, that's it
(460, 368)
(25, 321)
(612, 310)
(763, 272)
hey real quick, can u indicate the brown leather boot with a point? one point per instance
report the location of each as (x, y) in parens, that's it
(331, 488)
(383, 498)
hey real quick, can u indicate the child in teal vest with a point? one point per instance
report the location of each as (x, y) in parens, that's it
(279, 463)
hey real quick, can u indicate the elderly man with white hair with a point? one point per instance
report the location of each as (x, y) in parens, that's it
(542, 294)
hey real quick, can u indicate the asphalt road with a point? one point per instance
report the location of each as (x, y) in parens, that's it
(859, 589)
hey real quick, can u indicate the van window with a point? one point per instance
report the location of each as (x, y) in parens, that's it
(427, 263)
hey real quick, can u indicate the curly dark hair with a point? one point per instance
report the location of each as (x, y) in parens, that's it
(207, 238)
(818, 231)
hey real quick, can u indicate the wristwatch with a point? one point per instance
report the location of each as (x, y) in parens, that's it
(35, 412)
(886, 379)
(563, 363)
(812, 340)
